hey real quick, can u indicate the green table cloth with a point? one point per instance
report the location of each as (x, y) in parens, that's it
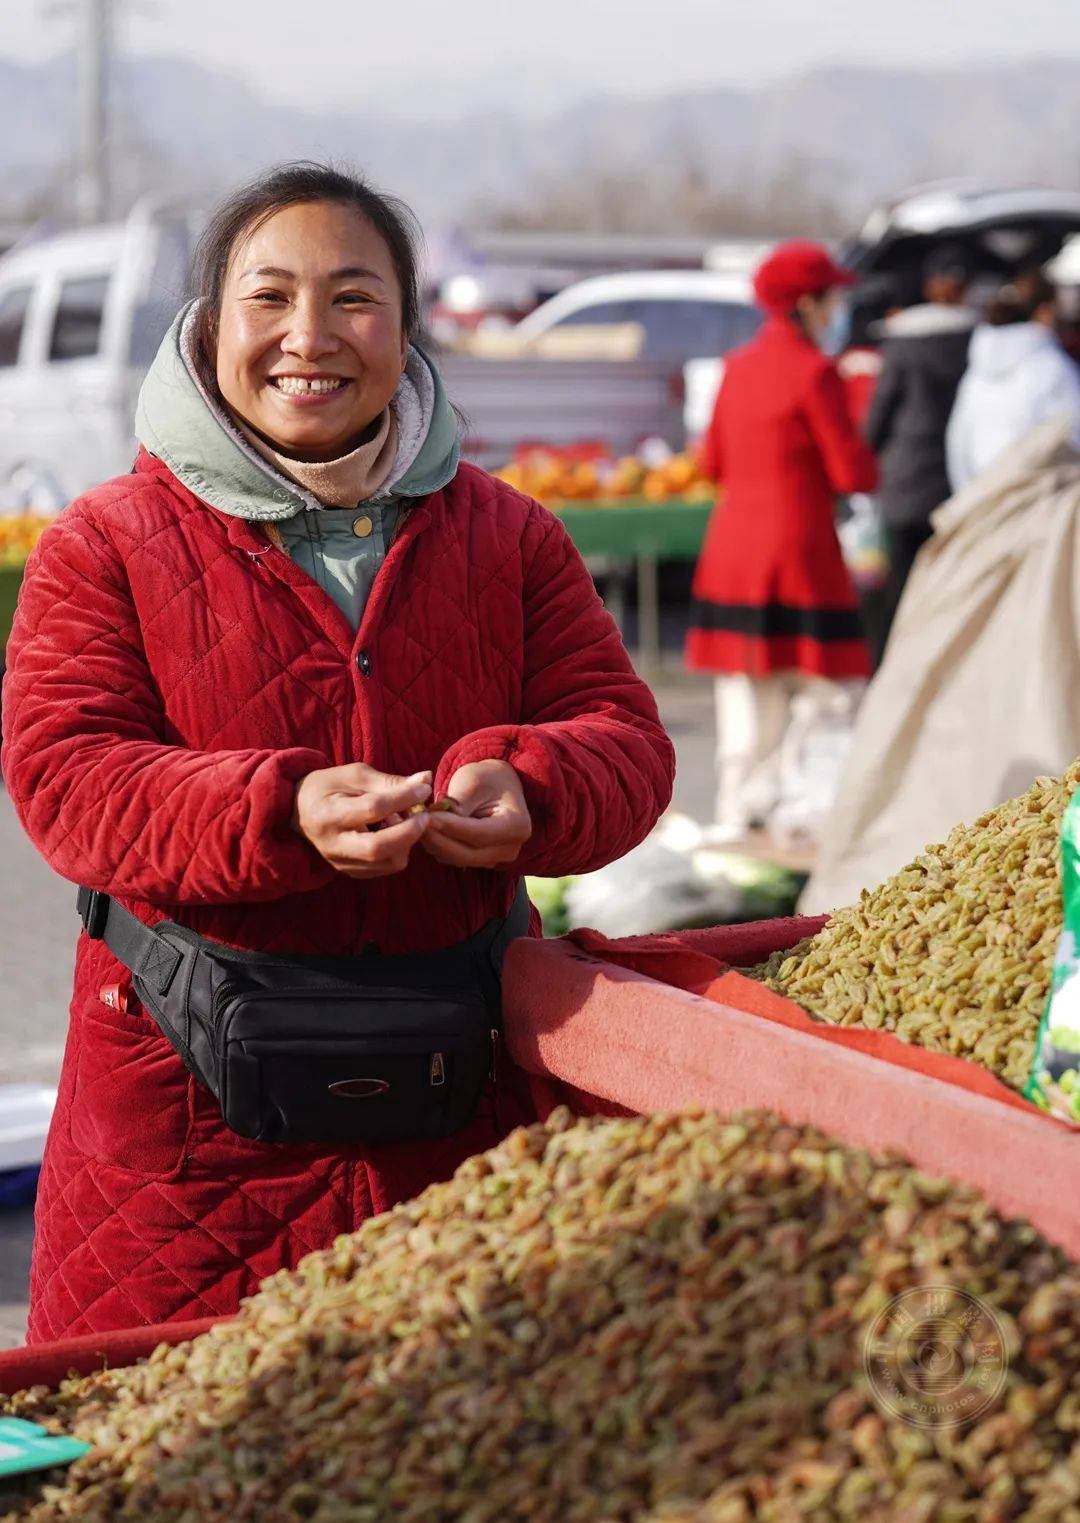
(10, 582)
(631, 528)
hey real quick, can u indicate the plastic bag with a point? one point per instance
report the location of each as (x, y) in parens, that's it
(652, 889)
(862, 542)
(812, 759)
(676, 881)
(1054, 1084)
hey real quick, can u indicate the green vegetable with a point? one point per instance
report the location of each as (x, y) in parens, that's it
(549, 897)
(1051, 1086)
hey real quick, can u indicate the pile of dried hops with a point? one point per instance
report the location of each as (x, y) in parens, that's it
(954, 952)
(650, 1319)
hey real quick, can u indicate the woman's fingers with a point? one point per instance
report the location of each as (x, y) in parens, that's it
(365, 823)
(367, 854)
(486, 842)
(392, 796)
(336, 799)
(451, 855)
(358, 777)
(482, 830)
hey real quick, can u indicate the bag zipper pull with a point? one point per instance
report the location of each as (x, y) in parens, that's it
(438, 1070)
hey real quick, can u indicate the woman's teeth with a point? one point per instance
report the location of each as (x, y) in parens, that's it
(298, 386)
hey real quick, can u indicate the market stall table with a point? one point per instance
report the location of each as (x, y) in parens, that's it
(643, 534)
(600, 1034)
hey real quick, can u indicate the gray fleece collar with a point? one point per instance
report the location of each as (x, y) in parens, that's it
(182, 424)
(928, 320)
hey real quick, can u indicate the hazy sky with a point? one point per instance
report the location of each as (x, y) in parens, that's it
(333, 51)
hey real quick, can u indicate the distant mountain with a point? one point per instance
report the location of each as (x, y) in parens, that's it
(853, 134)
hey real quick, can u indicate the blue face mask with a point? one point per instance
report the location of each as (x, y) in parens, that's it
(837, 333)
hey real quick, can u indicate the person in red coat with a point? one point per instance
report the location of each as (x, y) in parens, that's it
(233, 674)
(774, 611)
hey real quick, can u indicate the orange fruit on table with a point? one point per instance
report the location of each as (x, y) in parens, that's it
(588, 480)
(514, 475)
(547, 482)
(681, 471)
(626, 478)
(577, 482)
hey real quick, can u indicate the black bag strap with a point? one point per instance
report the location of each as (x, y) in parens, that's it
(516, 924)
(138, 946)
(151, 958)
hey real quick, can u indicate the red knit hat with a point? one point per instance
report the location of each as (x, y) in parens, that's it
(795, 269)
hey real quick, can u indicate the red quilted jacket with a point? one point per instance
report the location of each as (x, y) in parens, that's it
(170, 677)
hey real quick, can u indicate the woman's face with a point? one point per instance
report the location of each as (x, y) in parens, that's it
(817, 313)
(310, 342)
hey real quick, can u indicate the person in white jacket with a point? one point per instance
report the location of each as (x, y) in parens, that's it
(1017, 376)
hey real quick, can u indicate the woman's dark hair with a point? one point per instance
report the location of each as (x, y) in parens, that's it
(1021, 299)
(292, 185)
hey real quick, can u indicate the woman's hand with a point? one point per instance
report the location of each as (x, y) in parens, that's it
(358, 819)
(491, 823)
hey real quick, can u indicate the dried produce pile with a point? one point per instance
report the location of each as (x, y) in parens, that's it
(954, 952)
(649, 1320)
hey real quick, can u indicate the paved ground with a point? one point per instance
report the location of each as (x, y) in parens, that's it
(37, 940)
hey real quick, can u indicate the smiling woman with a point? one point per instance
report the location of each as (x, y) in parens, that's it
(309, 352)
(234, 674)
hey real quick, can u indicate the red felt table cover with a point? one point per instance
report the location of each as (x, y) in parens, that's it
(47, 1364)
(706, 962)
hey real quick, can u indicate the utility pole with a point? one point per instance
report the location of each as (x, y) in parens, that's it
(94, 49)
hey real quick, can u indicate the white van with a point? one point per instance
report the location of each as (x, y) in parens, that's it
(688, 320)
(81, 316)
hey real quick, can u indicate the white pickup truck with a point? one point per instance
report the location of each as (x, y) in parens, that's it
(678, 323)
(82, 313)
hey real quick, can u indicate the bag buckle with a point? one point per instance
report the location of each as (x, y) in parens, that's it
(159, 963)
(437, 1074)
(93, 907)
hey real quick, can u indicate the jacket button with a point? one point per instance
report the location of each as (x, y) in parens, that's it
(363, 661)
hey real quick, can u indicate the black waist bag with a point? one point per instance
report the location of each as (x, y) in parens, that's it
(299, 1049)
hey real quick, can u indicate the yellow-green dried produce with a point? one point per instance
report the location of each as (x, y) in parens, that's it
(955, 951)
(437, 806)
(616, 1321)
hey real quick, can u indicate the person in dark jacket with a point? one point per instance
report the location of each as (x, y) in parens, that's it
(925, 356)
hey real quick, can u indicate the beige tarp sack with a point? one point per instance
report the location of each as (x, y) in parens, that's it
(979, 691)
